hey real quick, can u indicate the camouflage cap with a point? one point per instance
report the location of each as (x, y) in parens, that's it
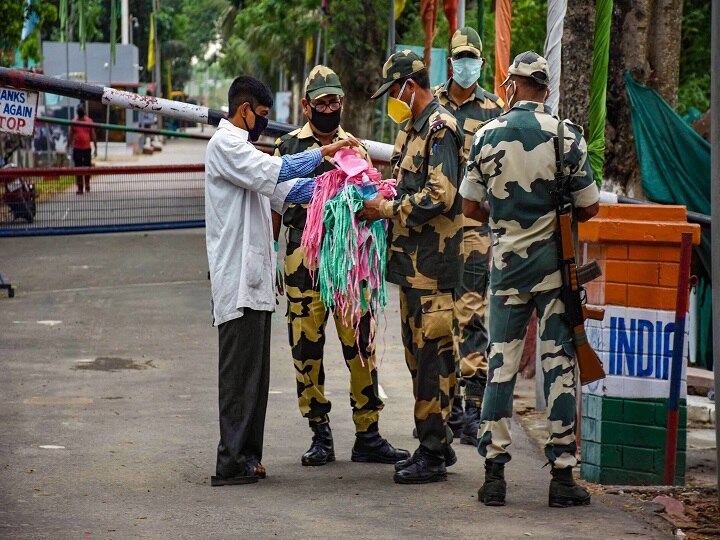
(530, 64)
(399, 66)
(466, 40)
(322, 81)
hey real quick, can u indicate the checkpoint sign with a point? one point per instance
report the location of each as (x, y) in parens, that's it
(18, 109)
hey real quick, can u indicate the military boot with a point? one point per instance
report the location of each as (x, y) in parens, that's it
(492, 492)
(321, 450)
(423, 468)
(471, 420)
(370, 447)
(449, 454)
(455, 421)
(564, 491)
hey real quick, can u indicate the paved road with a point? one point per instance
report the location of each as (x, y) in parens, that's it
(108, 407)
(108, 424)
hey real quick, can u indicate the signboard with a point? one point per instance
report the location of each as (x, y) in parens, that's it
(18, 109)
(635, 348)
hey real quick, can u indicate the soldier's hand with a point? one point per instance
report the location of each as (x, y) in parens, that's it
(371, 209)
(331, 149)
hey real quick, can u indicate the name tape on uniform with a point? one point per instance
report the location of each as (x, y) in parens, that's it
(18, 109)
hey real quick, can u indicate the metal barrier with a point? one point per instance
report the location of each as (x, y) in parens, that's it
(45, 201)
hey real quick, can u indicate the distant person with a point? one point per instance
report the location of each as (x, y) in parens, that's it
(79, 139)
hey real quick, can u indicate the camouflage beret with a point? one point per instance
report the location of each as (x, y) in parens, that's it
(530, 64)
(322, 81)
(399, 66)
(466, 40)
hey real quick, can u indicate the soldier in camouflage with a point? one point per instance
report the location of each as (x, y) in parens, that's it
(510, 179)
(307, 315)
(471, 105)
(425, 255)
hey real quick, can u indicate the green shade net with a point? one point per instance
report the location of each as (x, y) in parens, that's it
(675, 168)
(598, 88)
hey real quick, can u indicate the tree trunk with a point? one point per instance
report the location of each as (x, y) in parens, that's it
(645, 39)
(359, 53)
(577, 46)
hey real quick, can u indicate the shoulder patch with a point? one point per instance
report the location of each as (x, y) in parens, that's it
(437, 124)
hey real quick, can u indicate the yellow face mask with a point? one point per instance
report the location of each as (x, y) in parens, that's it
(398, 110)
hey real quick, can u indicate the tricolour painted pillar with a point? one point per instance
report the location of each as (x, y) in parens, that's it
(624, 416)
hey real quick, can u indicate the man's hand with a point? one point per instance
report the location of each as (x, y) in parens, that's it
(330, 149)
(371, 209)
(95, 154)
(479, 211)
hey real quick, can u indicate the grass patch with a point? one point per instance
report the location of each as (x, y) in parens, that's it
(47, 186)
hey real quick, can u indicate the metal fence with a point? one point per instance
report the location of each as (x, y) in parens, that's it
(47, 201)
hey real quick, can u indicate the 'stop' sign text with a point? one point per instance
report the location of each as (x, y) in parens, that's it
(18, 109)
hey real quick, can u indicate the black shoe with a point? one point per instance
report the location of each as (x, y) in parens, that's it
(370, 447)
(400, 465)
(564, 492)
(450, 456)
(421, 471)
(492, 492)
(254, 471)
(321, 450)
(455, 421)
(471, 423)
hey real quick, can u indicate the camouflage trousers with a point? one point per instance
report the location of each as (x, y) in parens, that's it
(307, 318)
(471, 337)
(509, 317)
(427, 320)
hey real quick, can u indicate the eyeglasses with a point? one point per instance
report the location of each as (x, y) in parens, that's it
(327, 107)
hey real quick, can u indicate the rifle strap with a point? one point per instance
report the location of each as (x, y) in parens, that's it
(559, 141)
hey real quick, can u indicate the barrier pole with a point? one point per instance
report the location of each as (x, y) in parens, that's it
(673, 405)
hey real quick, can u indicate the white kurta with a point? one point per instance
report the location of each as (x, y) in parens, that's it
(240, 188)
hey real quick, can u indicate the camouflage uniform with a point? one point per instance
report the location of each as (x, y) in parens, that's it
(471, 339)
(307, 315)
(512, 166)
(425, 254)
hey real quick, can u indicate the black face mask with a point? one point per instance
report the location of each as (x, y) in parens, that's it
(261, 123)
(326, 122)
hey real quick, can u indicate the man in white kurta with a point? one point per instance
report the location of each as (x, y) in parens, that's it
(241, 185)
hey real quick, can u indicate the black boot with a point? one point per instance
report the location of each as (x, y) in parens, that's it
(321, 450)
(370, 447)
(450, 458)
(564, 491)
(492, 492)
(471, 420)
(455, 421)
(423, 469)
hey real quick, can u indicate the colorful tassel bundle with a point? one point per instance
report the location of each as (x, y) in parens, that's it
(346, 256)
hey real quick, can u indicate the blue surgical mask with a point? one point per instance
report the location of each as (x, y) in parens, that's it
(466, 71)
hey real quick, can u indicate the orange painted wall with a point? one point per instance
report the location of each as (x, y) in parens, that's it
(638, 249)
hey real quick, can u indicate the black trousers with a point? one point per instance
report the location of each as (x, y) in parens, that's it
(243, 384)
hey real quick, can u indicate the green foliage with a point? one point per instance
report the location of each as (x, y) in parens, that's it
(270, 34)
(14, 13)
(694, 87)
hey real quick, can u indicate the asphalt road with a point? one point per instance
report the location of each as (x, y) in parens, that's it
(108, 419)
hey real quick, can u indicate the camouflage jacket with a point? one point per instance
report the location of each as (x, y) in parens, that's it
(512, 166)
(425, 219)
(480, 107)
(297, 141)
